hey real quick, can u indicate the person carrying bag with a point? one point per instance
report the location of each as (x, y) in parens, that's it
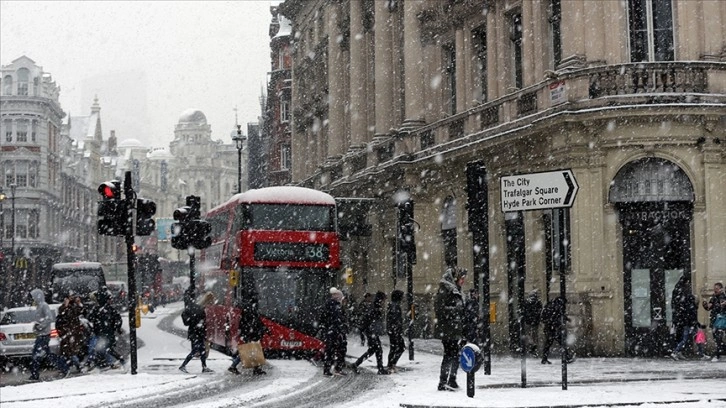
(251, 330)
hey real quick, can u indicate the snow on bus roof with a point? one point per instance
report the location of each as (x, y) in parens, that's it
(284, 194)
(77, 265)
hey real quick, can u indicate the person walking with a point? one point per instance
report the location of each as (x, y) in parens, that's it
(553, 318)
(71, 330)
(532, 309)
(685, 316)
(717, 305)
(449, 309)
(41, 328)
(372, 326)
(363, 309)
(394, 327)
(334, 329)
(195, 317)
(472, 319)
(251, 329)
(106, 322)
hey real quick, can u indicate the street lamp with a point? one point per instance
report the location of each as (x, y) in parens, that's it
(2, 219)
(239, 141)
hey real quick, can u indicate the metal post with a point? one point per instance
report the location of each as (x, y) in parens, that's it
(192, 284)
(411, 306)
(131, 265)
(564, 244)
(12, 221)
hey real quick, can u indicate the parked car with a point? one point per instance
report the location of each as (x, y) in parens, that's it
(119, 294)
(16, 332)
(171, 292)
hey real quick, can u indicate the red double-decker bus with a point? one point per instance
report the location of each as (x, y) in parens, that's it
(282, 243)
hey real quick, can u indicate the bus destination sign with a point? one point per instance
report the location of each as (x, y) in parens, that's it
(287, 251)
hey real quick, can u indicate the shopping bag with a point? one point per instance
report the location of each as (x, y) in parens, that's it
(720, 322)
(251, 354)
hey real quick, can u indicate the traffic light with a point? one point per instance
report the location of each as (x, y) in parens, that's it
(199, 234)
(180, 229)
(145, 209)
(112, 212)
(406, 240)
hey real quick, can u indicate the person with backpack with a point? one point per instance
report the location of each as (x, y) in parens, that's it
(372, 326)
(449, 309)
(394, 327)
(195, 317)
(105, 322)
(532, 311)
(553, 318)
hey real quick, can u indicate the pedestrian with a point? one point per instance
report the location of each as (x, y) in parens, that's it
(195, 318)
(71, 330)
(394, 327)
(701, 342)
(532, 311)
(250, 329)
(717, 305)
(372, 326)
(685, 317)
(472, 319)
(449, 309)
(41, 327)
(106, 322)
(362, 310)
(334, 331)
(553, 320)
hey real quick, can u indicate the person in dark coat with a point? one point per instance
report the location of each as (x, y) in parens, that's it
(334, 330)
(250, 329)
(717, 305)
(472, 319)
(532, 311)
(372, 326)
(394, 326)
(552, 318)
(195, 317)
(71, 330)
(685, 316)
(361, 310)
(449, 309)
(106, 322)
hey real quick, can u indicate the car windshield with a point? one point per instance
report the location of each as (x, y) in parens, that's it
(18, 316)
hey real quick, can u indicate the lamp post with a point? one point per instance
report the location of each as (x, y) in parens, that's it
(2, 219)
(239, 141)
(12, 222)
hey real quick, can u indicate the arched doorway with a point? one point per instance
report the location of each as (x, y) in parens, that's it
(654, 200)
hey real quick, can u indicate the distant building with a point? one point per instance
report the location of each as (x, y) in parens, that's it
(441, 99)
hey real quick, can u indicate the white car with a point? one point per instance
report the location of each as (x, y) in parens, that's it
(16, 331)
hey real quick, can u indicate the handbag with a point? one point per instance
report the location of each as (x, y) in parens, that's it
(251, 354)
(720, 322)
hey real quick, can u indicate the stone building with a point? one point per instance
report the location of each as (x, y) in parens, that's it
(392, 96)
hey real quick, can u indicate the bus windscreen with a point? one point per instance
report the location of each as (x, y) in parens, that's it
(291, 217)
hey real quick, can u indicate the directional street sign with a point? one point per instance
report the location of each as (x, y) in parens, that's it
(468, 357)
(538, 191)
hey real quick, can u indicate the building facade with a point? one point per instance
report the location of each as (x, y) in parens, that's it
(410, 96)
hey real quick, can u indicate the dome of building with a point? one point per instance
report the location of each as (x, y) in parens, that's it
(130, 143)
(193, 116)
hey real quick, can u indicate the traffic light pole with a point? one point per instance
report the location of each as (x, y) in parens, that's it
(131, 264)
(192, 284)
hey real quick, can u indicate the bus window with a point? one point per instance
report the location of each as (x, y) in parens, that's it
(292, 217)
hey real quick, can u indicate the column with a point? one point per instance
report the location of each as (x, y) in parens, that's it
(412, 53)
(573, 35)
(383, 63)
(358, 83)
(336, 92)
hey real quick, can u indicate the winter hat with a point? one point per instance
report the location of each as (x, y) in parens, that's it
(457, 273)
(336, 293)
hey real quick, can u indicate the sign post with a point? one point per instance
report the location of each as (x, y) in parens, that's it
(470, 361)
(541, 191)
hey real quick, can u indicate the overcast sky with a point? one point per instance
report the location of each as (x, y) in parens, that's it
(147, 61)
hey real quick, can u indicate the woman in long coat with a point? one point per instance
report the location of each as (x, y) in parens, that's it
(71, 330)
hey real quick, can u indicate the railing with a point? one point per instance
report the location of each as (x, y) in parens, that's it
(649, 78)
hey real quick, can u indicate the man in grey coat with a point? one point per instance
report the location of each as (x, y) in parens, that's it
(41, 327)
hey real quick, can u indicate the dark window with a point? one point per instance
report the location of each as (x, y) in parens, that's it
(291, 217)
(480, 54)
(450, 75)
(515, 36)
(555, 18)
(651, 30)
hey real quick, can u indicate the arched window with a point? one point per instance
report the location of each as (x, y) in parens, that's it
(448, 230)
(8, 85)
(23, 78)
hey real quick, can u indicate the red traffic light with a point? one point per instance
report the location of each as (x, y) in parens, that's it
(110, 189)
